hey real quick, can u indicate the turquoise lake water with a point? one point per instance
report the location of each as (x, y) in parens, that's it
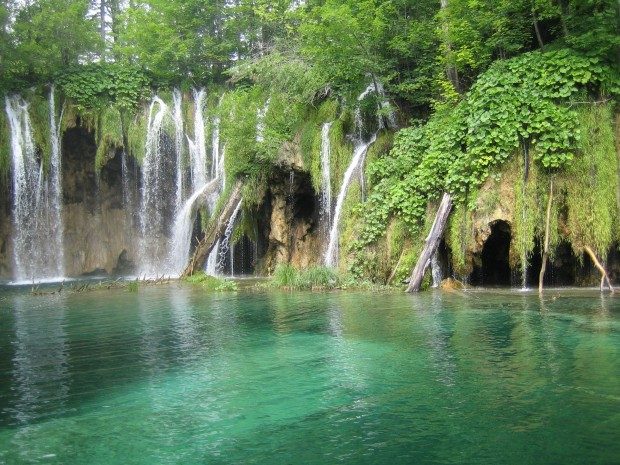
(171, 375)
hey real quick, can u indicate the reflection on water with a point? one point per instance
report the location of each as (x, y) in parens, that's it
(40, 374)
(175, 375)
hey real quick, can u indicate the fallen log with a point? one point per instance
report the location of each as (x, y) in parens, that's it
(214, 232)
(432, 242)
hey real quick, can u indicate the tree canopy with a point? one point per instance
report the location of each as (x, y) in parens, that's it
(406, 44)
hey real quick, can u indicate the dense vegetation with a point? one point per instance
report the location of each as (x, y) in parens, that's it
(475, 83)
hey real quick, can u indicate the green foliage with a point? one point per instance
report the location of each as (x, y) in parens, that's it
(310, 137)
(281, 121)
(99, 85)
(212, 283)
(529, 214)
(5, 148)
(44, 37)
(136, 135)
(516, 101)
(133, 286)
(460, 237)
(109, 135)
(591, 183)
(38, 109)
(315, 277)
(238, 113)
(285, 275)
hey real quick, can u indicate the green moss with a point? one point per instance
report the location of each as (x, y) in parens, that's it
(69, 117)
(529, 210)
(136, 135)
(350, 222)
(460, 236)
(381, 147)
(40, 120)
(591, 183)
(238, 133)
(109, 135)
(341, 152)
(5, 148)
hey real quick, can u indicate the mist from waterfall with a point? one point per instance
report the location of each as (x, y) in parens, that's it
(37, 239)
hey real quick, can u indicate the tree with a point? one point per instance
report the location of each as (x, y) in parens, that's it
(50, 35)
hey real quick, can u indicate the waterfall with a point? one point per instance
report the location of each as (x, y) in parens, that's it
(386, 107)
(153, 201)
(55, 194)
(359, 155)
(326, 188)
(225, 245)
(211, 267)
(182, 232)
(177, 118)
(361, 148)
(261, 113)
(37, 200)
(198, 149)
(184, 219)
(436, 271)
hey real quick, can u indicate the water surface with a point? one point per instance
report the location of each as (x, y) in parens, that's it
(171, 375)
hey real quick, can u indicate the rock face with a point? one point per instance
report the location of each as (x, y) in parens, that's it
(293, 236)
(98, 225)
(99, 230)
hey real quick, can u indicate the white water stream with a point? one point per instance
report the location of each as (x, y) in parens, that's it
(37, 239)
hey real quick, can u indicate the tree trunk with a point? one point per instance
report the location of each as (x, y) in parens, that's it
(545, 256)
(451, 71)
(541, 44)
(604, 276)
(102, 8)
(213, 233)
(432, 242)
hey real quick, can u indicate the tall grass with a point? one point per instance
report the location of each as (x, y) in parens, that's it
(316, 277)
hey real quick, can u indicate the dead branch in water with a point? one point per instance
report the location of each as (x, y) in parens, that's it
(604, 276)
(545, 256)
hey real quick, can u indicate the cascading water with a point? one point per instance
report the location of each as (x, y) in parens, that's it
(225, 245)
(184, 219)
(55, 183)
(326, 188)
(361, 148)
(37, 203)
(177, 117)
(260, 121)
(198, 148)
(153, 244)
(436, 271)
(182, 232)
(359, 155)
(211, 267)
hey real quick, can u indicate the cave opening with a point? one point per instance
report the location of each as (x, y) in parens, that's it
(563, 267)
(493, 268)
